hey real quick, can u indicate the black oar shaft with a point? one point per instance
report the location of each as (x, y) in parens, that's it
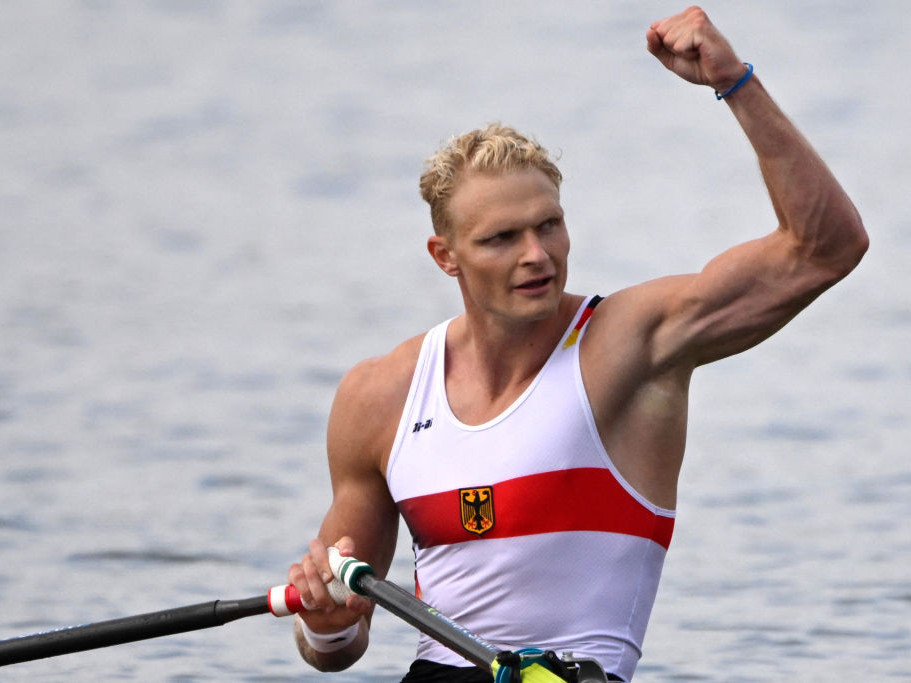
(128, 629)
(281, 601)
(427, 620)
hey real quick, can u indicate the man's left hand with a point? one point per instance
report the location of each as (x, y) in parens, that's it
(689, 45)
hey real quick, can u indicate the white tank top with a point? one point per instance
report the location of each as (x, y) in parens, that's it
(523, 530)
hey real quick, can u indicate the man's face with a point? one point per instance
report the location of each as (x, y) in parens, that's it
(509, 244)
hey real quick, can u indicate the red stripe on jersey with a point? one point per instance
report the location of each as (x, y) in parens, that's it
(582, 499)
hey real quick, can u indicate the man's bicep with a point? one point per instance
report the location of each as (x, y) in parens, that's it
(740, 298)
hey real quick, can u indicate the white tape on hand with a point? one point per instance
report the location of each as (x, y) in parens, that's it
(328, 642)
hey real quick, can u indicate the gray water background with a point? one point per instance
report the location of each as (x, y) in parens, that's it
(209, 211)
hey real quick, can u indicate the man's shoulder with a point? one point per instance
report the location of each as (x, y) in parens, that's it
(640, 307)
(368, 406)
(637, 328)
(381, 383)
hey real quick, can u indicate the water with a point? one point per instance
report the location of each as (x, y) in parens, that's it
(208, 212)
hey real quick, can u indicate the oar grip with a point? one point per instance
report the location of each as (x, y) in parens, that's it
(348, 571)
(285, 601)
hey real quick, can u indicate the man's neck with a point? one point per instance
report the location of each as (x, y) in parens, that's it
(490, 362)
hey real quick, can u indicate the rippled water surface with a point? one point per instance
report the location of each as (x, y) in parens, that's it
(208, 212)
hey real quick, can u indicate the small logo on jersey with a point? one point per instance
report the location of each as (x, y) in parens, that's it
(418, 426)
(477, 509)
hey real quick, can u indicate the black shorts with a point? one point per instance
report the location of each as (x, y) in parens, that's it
(425, 671)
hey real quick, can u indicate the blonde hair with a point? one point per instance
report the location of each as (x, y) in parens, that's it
(494, 149)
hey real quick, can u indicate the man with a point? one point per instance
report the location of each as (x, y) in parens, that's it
(533, 443)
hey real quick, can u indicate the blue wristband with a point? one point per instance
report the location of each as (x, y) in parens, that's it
(734, 88)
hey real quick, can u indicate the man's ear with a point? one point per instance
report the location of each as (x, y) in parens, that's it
(443, 255)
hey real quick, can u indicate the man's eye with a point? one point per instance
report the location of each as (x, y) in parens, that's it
(549, 225)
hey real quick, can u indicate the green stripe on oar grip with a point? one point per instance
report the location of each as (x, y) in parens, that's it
(348, 570)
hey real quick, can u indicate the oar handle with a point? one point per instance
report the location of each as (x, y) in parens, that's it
(347, 572)
(284, 601)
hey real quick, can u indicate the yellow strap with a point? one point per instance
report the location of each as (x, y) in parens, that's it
(532, 674)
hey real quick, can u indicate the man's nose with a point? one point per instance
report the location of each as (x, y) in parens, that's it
(533, 251)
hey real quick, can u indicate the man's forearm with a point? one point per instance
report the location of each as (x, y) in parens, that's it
(809, 202)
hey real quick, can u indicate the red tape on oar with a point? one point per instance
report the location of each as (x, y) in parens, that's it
(284, 601)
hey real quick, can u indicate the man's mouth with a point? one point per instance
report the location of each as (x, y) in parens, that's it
(536, 283)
